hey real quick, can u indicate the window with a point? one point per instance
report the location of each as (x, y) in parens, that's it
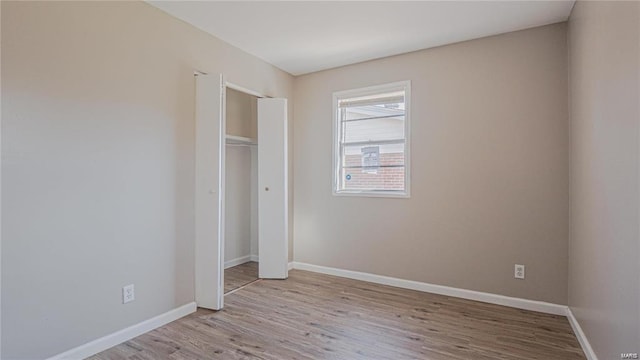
(371, 141)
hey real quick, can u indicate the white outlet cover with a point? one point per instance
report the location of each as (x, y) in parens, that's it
(128, 294)
(519, 271)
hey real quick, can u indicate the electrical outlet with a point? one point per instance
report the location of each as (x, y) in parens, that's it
(519, 272)
(128, 294)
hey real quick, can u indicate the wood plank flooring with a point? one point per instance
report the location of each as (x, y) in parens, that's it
(240, 275)
(315, 316)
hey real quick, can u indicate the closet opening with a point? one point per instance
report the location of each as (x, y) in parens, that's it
(241, 259)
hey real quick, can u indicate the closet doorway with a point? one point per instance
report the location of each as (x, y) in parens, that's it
(212, 199)
(241, 190)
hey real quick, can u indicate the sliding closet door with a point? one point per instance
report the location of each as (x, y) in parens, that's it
(209, 191)
(273, 233)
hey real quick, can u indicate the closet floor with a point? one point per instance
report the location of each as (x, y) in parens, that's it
(240, 275)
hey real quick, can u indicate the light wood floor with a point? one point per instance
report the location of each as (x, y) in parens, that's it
(240, 275)
(314, 316)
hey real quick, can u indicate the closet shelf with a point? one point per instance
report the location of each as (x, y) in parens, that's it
(240, 140)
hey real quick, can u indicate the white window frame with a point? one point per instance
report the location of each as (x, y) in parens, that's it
(371, 90)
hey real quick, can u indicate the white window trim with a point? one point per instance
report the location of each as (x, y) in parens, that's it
(400, 85)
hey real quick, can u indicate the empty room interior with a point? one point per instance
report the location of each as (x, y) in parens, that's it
(320, 180)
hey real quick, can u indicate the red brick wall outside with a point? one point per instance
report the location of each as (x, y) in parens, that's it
(385, 179)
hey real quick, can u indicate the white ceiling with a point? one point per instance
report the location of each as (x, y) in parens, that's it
(306, 36)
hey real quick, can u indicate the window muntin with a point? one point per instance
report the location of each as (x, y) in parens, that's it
(371, 142)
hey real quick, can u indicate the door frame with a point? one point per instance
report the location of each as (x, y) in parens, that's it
(223, 165)
(236, 87)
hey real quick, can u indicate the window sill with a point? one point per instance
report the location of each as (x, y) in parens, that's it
(376, 194)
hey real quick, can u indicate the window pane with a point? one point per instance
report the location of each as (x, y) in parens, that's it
(373, 167)
(374, 130)
(373, 111)
(374, 99)
(389, 155)
(384, 179)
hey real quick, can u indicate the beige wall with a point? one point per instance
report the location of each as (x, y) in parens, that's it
(604, 246)
(489, 174)
(98, 165)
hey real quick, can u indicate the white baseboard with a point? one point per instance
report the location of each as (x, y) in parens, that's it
(514, 302)
(582, 338)
(290, 266)
(118, 337)
(240, 260)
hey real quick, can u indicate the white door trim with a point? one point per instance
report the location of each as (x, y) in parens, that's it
(242, 89)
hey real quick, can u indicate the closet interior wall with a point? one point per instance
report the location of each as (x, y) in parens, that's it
(241, 179)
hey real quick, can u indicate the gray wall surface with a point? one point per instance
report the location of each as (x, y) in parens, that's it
(489, 169)
(604, 246)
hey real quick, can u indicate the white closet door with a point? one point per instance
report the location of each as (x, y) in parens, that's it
(209, 191)
(273, 233)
